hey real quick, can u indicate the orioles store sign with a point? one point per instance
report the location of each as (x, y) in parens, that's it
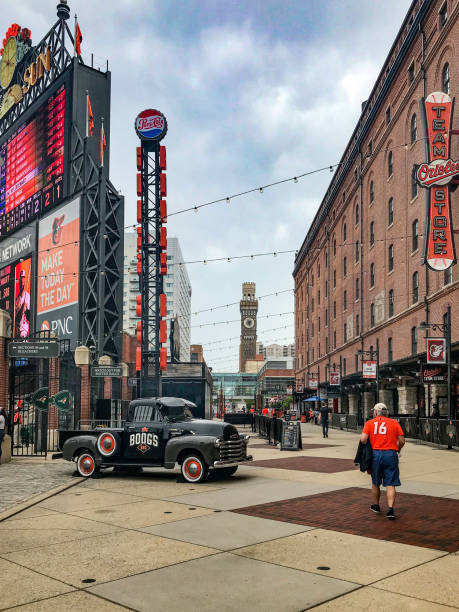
(435, 175)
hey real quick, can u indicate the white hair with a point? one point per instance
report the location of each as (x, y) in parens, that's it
(380, 409)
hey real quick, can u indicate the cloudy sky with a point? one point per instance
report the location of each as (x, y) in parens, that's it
(254, 91)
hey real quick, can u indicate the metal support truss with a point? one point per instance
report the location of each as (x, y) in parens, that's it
(151, 281)
(101, 278)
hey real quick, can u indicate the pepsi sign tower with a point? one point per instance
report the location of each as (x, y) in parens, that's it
(151, 127)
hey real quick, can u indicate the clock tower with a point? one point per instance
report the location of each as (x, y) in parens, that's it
(249, 308)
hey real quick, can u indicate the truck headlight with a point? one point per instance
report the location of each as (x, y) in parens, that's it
(246, 439)
(217, 443)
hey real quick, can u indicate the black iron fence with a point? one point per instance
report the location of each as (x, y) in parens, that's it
(238, 418)
(350, 422)
(268, 428)
(435, 431)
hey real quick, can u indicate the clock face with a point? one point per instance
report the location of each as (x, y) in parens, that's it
(8, 62)
(249, 322)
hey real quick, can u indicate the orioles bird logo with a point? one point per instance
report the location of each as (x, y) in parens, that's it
(56, 233)
(436, 350)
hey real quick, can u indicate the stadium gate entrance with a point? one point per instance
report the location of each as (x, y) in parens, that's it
(34, 425)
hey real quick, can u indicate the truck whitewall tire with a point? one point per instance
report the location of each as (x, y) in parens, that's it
(86, 464)
(194, 468)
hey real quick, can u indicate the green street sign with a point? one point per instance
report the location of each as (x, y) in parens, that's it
(61, 400)
(41, 398)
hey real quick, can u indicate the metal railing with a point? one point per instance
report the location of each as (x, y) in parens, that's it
(267, 427)
(435, 431)
(97, 423)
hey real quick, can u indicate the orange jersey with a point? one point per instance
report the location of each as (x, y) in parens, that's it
(383, 433)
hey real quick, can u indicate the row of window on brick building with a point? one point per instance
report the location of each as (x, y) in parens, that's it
(445, 82)
(390, 253)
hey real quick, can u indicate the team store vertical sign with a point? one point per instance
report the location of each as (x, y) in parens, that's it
(439, 251)
(58, 272)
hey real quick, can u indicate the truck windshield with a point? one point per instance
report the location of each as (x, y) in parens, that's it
(175, 413)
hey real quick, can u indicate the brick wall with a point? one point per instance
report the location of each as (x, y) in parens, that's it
(85, 402)
(4, 378)
(280, 373)
(129, 350)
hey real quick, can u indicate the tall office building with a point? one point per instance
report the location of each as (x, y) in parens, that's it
(275, 351)
(130, 282)
(176, 287)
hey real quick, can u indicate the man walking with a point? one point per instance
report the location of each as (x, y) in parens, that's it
(386, 439)
(324, 418)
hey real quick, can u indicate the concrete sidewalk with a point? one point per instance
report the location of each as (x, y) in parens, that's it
(290, 533)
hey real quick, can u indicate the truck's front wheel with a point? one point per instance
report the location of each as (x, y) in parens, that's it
(194, 468)
(86, 464)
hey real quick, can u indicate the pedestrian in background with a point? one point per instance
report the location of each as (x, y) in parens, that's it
(2, 429)
(386, 439)
(323, 418)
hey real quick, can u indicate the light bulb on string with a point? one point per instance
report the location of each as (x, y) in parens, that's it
(261, 189)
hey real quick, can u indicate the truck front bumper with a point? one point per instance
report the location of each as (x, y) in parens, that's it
(231, 463)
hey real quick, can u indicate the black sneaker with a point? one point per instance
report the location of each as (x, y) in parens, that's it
(375, 508)
(390, 514)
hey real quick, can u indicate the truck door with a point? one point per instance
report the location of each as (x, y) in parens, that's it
(143, 435)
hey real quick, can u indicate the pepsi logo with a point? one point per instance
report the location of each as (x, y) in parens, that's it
(151, 125)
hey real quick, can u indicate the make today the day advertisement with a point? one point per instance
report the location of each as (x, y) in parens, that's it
(58, 272)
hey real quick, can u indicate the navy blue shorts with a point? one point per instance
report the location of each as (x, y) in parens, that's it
(385, 468)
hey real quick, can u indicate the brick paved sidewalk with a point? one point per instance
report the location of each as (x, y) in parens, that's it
(25, 478)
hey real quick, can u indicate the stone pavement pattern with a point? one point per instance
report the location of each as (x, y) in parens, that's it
(26, 477)
(287, 536)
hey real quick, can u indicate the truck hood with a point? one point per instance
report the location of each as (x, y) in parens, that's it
(204, 427)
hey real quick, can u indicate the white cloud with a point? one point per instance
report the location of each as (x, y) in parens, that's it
(246, 106)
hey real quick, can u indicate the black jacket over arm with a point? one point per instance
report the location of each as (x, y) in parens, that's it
(364, 456)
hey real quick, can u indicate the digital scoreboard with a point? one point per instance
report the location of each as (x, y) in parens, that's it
(32, 165)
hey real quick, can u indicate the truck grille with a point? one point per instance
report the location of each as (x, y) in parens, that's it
(232, 450)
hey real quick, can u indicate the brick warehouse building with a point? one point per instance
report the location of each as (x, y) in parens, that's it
(359, 279)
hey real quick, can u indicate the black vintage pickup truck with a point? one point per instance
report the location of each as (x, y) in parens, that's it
(159, 432)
